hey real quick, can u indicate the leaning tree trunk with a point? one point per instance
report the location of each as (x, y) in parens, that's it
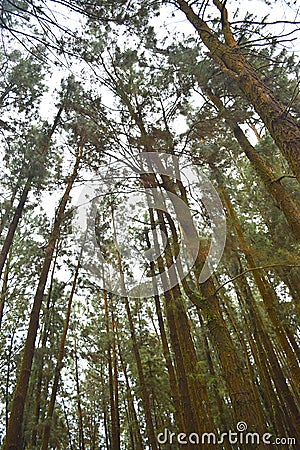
(273, 184)
(281, 125)
(13, 439)
(278, 403)
(4, 288)
(186, 354)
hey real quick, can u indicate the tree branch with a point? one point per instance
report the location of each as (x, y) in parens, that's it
(252, 269)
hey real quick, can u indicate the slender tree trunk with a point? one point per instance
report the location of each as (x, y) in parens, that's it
(115, 375)
(40, 361)
(105, 414)
(14, 433)
(19, 210)
(81, 437)
(68, 425)
(6, 214)
(7, 379)
(143, 387)
(281, 125)
(113, 387)
(13, 225)
(135, 427)
(264, 289)
(165, 346)
(60, 357)
(4, 288)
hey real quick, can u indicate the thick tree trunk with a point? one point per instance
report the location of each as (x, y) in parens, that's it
(281, 125)
(243, 401)
(268, 367)
(14, 433)
(192, 389)
(250, 371)
(225, 418)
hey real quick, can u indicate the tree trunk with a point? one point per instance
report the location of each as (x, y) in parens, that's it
(13, 225)
(115, 375)
(59, 363)
(81, 438)
(166, 351)
(115, 438)
(19, 210)
(4, 289)
(192, 389)
(281, 125)
(41, 360)
(134, 423)
(240, 391)
(267, 364)
(264, 288)
(14, 433)
(272, 184)
(143, 387)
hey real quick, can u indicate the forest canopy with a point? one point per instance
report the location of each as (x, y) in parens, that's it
(149, 224)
